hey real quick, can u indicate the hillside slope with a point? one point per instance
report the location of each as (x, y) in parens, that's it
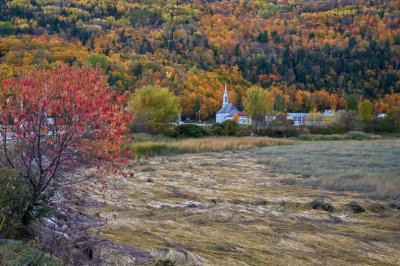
(193, 47)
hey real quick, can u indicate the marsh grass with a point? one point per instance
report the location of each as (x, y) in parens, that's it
(143, 137)
(233, 210)
(355, 135)
(365, 166)
(212, 144)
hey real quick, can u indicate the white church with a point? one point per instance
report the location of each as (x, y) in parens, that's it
(228, 110)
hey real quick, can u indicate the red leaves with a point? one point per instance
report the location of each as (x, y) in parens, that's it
(57, 109)
(127, 175)
(65, 109)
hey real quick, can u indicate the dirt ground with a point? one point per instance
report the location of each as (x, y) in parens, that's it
(232, 209)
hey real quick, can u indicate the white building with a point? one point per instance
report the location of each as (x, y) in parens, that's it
(303, 118)
(228, 110)
(243, 119)
(298, 118)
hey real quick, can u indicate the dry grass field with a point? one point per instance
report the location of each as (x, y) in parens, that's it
(367, 166)
(311, 203)
(164, 146)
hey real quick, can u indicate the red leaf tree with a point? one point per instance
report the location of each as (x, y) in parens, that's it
(52, 119)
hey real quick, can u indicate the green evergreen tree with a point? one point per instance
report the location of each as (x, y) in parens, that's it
(351, 103)
(263, 37)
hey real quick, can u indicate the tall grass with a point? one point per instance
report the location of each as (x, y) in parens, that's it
(212, 144)
(355, 135)
(367, 166)
(143, 137)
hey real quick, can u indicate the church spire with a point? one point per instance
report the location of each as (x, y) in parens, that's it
(225, 97)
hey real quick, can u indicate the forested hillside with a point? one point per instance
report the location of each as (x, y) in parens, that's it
(313, 52)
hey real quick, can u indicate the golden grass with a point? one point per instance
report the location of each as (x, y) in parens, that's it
(365, 166)
(228, 143)
(354, 135)
(212, 144)
(245, 215)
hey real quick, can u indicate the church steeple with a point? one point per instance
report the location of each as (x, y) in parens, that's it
(225, 97)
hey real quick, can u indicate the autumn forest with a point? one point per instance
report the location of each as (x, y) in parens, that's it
(315, 53)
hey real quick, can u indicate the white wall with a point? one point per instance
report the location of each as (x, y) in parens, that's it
(220, 118)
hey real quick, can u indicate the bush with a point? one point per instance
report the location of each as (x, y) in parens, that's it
(14, 200)
(226, 128)
(322, 130)
(348, 121)
(381, 125)
(244, 131)
(190, 131)
(303, 130)
(218, 129)
(19, 253)
(16, 204)
(280, 127)
(395, 115)
(358, 135)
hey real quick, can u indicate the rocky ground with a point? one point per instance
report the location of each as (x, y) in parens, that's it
(63, 235)
(232, 209)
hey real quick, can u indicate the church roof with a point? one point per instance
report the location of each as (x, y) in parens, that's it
(234, 111)
(223, 109)
(228, 109)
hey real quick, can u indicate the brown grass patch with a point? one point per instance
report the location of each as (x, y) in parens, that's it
(212, 144)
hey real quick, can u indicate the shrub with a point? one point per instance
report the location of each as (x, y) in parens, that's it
(279, 127)
(381, 125)
(226, 128)
(231, 127)
(14, 200)
(18, 253)
(395, 115)
(348, 121)
(322, 130)
(218, 129)
(17, 205)
(303, 130)
(189, 130)
(244, 131)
